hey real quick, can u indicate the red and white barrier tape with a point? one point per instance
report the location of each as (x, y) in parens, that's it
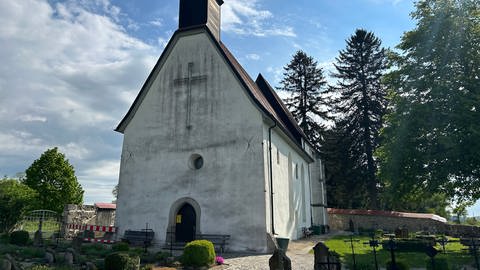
(95, 228)
(99, 240)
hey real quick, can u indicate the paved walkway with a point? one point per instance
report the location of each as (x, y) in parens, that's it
(298, 251)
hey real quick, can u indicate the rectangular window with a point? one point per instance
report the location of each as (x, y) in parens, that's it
(278, 156)
(296, 171)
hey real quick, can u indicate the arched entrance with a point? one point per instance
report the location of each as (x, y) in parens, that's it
(185, 223)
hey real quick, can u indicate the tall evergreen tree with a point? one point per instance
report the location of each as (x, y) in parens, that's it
(359, 101)
(431, 141)
(345, 188)
(304, 79)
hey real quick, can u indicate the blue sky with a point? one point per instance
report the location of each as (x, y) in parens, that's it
(71, 69)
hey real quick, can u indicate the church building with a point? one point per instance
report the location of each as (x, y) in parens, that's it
(208, 150)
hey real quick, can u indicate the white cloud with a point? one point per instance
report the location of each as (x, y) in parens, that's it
(246, 17)
(253, 56)
(104, 169)
(393, 2)
(157, 23)
(69, 73)
(32, 118)
(277, 73)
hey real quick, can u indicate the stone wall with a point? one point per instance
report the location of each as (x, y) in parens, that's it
(85, 215)
(388, 224)
(463, 230)
(382, 220)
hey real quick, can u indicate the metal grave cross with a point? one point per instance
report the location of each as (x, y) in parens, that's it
(189, 81)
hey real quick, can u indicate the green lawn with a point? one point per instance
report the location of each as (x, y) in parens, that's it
(455, 255)
(49, 227)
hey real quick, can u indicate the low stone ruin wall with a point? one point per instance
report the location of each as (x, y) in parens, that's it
(457, 230)
(390, 224)
(85, 215)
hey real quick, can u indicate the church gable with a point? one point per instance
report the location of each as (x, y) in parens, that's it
(181, 86)
(193, 105)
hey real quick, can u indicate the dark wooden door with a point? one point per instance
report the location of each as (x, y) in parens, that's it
(186, 221)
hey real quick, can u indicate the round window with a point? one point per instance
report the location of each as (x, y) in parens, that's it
(196, 162)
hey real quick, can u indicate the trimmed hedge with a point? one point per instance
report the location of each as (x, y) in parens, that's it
(199, 253)
(19, 238)
(122, 261)
(121, 246)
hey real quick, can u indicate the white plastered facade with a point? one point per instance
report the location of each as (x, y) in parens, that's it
(231, 192)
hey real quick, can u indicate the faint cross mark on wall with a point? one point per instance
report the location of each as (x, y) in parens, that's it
(189, 81)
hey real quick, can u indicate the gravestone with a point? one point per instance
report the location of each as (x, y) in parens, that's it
(77, 242)
(351, 226)
(401, 233)
(68, 258)
(50, 256)
(13, 263)
(74, 253)
(37, 239)
(280, 261)
(320, 253)
(324, 259)
(88, 266)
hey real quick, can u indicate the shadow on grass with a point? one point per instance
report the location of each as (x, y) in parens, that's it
(366, 261)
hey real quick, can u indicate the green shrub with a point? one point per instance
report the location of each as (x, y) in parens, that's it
(199, 253)
(440, 264)
(122, 261)
(146, 258)
(33, 252)
(95, 250)
(100, 264)
(40, 267)
(400, 265)
(151, 258)
(161, 256)
(4, 238)
(121, 246)
(148, 267)
(19, 238)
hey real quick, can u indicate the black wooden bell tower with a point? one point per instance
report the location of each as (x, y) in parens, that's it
(201, 12)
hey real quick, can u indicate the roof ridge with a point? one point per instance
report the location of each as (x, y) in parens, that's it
(282, 105)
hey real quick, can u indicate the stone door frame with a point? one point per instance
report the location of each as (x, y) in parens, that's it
(176, 206)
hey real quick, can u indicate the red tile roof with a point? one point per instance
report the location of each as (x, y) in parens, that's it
(105, 205)
(266, 97)
(385, 214)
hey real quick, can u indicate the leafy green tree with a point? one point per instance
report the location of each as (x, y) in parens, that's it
(304, 79)
(431, 139)
(460, 211)
(54, 179)
(472, 221)
(16, 199)
(115, 193)
(360, 101)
